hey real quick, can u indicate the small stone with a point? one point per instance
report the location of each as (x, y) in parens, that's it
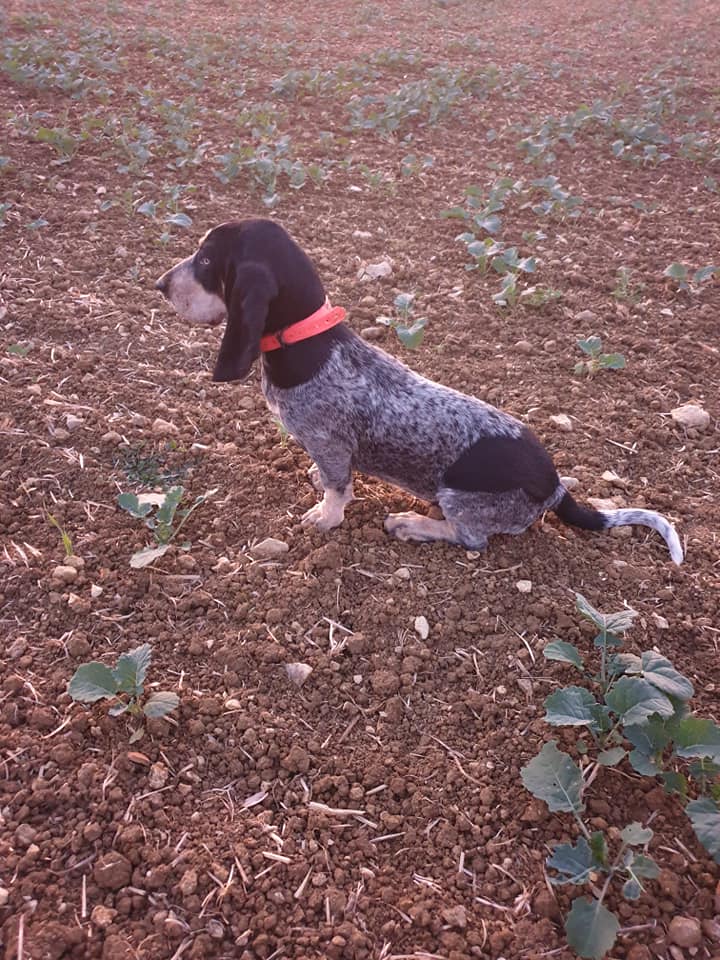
(112, 436)
(4, 896)
(562, 421)
(711, 929)
(64, 574)
(188, 883)
(102, 916)
(660, 622)
(361, 234)
(298, 672)
(78, 645)
(233, 704)
(585, 316)
(685, 931)
(74, 561)
(215, 929)
(524, 346)
(112, 871)
(78, 604)
(639, 952)
(297, 760)
(269, 549)
(604, 503)
(72, 422)
(691, 415)
(609, 476)
(17, 648)
(95, 591)
(402, 573)
(570, 483)
(25, 834)
(385, 682)
(422, 627)
(372, 333)
(455, 916)
(376, 271)
(163, 428)
(158, 777)
(524, 586)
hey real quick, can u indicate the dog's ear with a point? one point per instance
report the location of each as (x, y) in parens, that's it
(248, 299)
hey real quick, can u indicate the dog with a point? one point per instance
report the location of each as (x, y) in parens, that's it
(353, 407)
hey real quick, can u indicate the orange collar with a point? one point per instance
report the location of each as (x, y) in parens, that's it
(320, 321)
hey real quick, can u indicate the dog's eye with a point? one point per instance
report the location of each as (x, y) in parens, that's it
(205, 261)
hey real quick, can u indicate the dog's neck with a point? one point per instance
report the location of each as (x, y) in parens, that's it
(299, 362)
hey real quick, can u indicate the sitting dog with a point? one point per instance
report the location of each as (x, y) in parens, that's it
(354, 407)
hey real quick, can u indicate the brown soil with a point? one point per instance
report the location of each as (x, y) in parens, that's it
(201, 839)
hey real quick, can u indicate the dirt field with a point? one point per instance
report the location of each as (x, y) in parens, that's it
(129, 130)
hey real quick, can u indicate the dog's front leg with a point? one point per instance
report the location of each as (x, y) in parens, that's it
(333, 476)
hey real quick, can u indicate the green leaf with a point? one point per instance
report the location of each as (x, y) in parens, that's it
(166, 512)
(704, 815)
(573, 863)
(160, 704)
(675, 783)
(18, 350)
(612, 361)
(148, 209)
(697, 737)
(572, 707)
(636, 835)
(146, 556)
(179, 220)
(119, 708)
(644, 763)
(553, 777)
(676, 271)
(632, 889)
(564, 652)
(91, 682)
(455, 213)
(130, 502)
(590, 928)
(608, 758)
(411, 337)
(634, 700)
(599, 848)
(643, 866)
(658, 671)
(608, 623)
(131, 669)
(651, 738)
(704, 273)
(592, 347)
(490, 224)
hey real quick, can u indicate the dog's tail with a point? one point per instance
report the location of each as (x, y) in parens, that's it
(576, 515)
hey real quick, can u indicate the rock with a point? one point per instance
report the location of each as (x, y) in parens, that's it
(269, 549)
(112, 436)
(545, 905)
(372, 333)
(163, 428)
(297, 760)
(17, 648)
(72, 422)
(4, 896)
(74, 561)
(112, 871)
(570, 483)
(188, 882)
(95, 591)
(524, 586)
(376, 271)
(660, 622)
(585, 316)
(711, 929)
(562, 421)
(685, 931)
(102, 916)
(158, 777)
(25, 834)
(64, 574)
(362, 234)
(691, 415)
(609, 476)
(79, 604)
(639, 952)
(298, 672)
(422, 627)
(117, 948)
(77, 645)
(524, 346)
(455, 916)
(603, 503)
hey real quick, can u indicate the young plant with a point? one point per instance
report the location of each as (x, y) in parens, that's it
(624, 288)
(640, 713)
(124, 684)
(161, 524)
(409, 331)
(509, 265)
(537, 297)
(596, 359)
(686, 280)
(64, 535)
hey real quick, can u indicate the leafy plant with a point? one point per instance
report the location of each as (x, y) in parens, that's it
(409, 331)
(596, 359)
(559, 203)
(124, 684)
(688, 281)
(636, 708)
(537, 297)
(164, 532)
(64, 143)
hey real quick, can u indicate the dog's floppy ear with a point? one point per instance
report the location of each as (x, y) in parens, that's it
(247, 299)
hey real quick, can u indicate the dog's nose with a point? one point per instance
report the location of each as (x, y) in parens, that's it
(162, 285)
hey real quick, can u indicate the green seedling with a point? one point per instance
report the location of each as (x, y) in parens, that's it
(634, 709)
(624, 288)
(124, 684)
(64, 143)
(64, 535)
(282, 431)
(409, 330)
(162, 523)
(150, 470)
(596, 359)
(19, 349)
(686, 280)
(537, 297)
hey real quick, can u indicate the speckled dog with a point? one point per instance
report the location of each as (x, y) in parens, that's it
(354, 407)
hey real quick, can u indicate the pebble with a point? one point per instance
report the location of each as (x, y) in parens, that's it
(78, 645)
(163, 428)
(422, 627)
(188, 882)
(711, 929)
(372, 333)
(691, 415)
(64, 574)
(297, 760)
(112, 436)
(562, 421)
(298, 672)
(570, 483)
(524, 586)
(524, 346)
(158, 777)
(102, 916)
(269, 549)
(455, 916)
(78, 604)
(586, 316)
(112, 871)
(385, 682)
(72, 422)
(685, 931)
(375, 271)
(639, 952)
(4, 896)
(25, 834)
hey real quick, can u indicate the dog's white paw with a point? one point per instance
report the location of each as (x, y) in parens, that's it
(321, 517)
(314, 478)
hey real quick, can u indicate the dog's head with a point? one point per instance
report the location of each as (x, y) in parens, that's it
(253, 274)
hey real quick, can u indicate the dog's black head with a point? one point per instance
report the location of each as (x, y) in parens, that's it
(252, 273)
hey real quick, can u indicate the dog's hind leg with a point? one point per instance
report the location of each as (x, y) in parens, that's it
(413, 526)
